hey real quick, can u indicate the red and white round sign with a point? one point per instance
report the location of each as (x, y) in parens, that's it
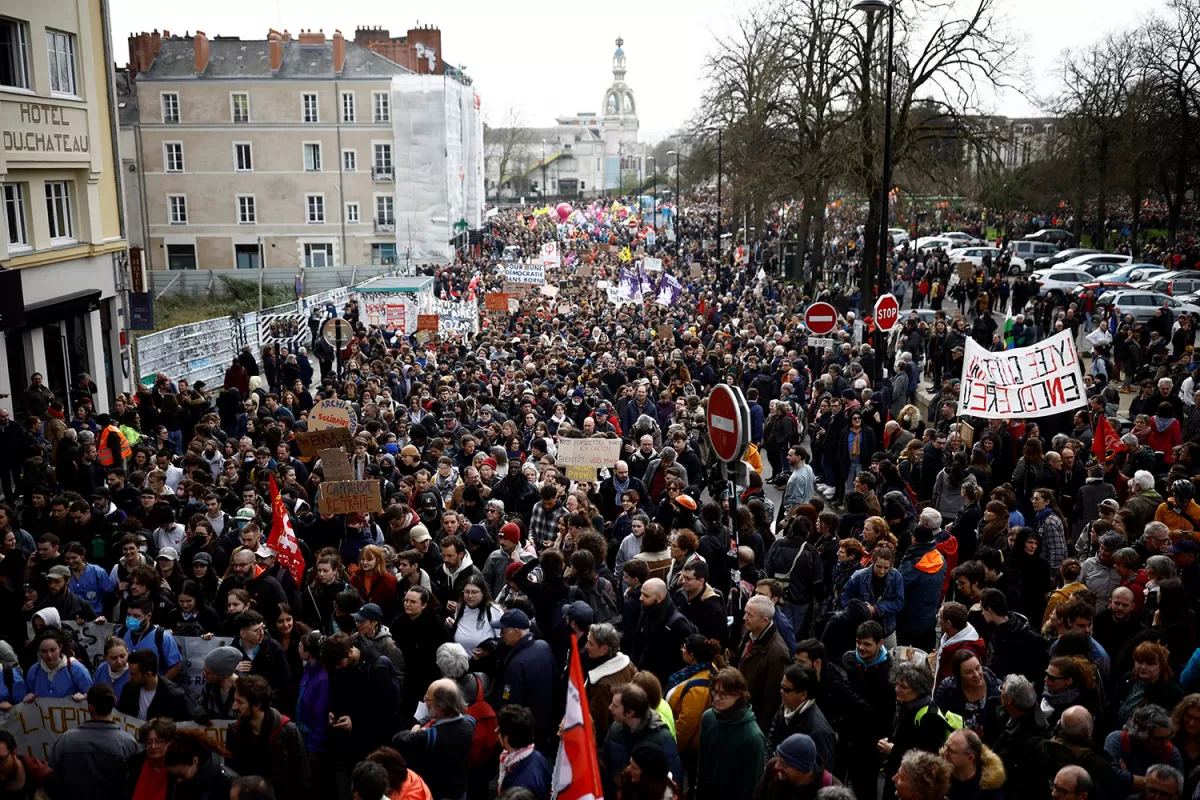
(728, 422)
(820, 318)
(887, 312)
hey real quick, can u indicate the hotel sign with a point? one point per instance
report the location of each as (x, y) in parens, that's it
(38, 131)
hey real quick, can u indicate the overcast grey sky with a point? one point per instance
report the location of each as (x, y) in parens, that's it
(547, 59)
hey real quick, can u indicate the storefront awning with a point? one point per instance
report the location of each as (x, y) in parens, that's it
(48, 312)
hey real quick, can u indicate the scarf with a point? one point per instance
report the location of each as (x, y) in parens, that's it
(879, 658)
(1053, 702)
(1045, 512)
(51, 672)
(732, 713)
(116, 676)
(686, 673)
(510, 758)
(55, 414)
(788, 716)
(620, 488)
(1137, 694)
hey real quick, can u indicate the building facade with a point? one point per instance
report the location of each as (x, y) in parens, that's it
(584, 155)
(275, 152)
(64, 245)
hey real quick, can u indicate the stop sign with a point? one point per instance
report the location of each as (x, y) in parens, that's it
(887, 312)
(820, 318)
(728, 418)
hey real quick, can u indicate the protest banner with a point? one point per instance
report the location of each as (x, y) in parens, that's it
(427, 322)
(89, 637)
(588, 452)
(332, 413)
(456, 317)
(550, 254)
(517, 272)
(581, 473)
(1034, 381)
(514, 305)
(517, 289)
(37, 725)
(549, 291)
(311, 443)
(336, 465)
(585, 269)
(652, 264)
(965, 270)
(966, 432)
(349, 497)
(194, 650)
(397, 317)
(496, 301)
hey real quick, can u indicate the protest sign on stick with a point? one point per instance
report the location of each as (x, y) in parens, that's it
(1034, 381)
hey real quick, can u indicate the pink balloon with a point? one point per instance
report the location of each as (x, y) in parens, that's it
(564, 210)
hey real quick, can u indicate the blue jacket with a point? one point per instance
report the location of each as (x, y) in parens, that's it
(18, 687)
(71, 679)
(756, 423)
(888, 604)
(923, 569)
(101, 675)
(532, 773)
(94, 586)
(528, 681)
(312, 708)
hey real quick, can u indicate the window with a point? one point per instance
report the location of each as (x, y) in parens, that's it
(243, 159)
(382, 106)
(350, 160)
(14, 54)
(181, 256)
(58, 210)
(348, 112)
(61, 48)
(310, 113)
(352, 215)
(170, 107)
(312, 157)
(177, 209)
(240, 102)
(318, 255)
(14, 215)
(173, 156)
(247, 255)
(385, 206)
(246, 211)
(383, 159)
(316, 209)
(383, 252)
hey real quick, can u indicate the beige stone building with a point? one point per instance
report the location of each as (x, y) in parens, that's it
(276, 152)
(63, 247)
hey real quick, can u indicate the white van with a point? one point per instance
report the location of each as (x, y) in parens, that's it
(1031, 251)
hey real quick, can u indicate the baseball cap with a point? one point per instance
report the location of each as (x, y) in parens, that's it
(1110, 504)
(513, 618)
(202, 558)
(419, 533)
(369, 611)
(244, 514)
(60, 572)
(580, 612)
(262, 552)
(168, 552)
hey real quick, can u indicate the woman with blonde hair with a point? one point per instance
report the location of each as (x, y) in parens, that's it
(910, 420)
(875, 532)
(910, 461)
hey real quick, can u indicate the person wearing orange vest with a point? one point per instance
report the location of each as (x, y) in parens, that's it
(111, 441)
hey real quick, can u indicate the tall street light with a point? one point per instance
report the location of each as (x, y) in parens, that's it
(872, 7)
(675, 222)
(543, 169)
(654, 213)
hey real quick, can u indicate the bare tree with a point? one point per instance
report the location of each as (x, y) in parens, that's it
(506, 145)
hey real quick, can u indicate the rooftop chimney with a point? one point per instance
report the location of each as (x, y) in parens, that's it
(339, 52)
(309, 39)
(287, 37)
(142, 49)
(203, 50)
(275, 46)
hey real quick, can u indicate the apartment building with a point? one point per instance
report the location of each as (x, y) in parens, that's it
(276, 152)
(63, 249)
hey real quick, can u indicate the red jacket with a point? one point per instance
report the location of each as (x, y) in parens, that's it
(1136, 583)
(948, 547)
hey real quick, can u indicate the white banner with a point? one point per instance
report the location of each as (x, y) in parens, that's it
(37, 725)
(518, 272)
(550, 254)
(194, 650)
(456, 317)
(588, 452)
(1034, 381)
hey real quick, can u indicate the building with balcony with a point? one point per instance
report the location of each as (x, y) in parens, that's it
(63, 250)
(276, 152)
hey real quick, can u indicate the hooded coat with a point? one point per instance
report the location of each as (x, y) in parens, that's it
(657, 637)
(923, 570)
(987, 784)
(732, 755)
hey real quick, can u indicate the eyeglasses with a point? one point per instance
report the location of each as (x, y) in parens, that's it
(1051, 677)
(787, 689)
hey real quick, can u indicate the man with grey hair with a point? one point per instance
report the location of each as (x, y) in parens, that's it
(1098, 573)
(763, 658)
(1163, 782)
(1024, 729)
(1140, 742)
(1143, 502)
(438, 752)
(1155, 539)
(610, 669)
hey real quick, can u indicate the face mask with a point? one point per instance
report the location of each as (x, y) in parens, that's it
(133, 623)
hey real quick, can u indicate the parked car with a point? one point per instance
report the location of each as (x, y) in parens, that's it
(935, 242)
(899, 236)
(1046, 262)
(1106, 283)
(1173, 284)
(1111, 260)
(1137, 272)
(1142, 305)
(962, 239)
(975, 255)
(1031, 251)
(1059, 282)
(1052, 235)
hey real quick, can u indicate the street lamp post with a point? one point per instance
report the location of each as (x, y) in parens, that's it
(654, 193)
(675, 222)
(871, 7)
(543, 169)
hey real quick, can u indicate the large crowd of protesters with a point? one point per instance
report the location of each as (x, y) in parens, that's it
(886, 603)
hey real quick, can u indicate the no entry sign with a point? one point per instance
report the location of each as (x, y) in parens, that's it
(820, 318)
(887, 312)
(728, 420)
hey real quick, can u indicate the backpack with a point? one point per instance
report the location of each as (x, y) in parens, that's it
(8, 684)
(159, 634)
(602, 604)
(954, 721)
(487, 730)
(785, 578)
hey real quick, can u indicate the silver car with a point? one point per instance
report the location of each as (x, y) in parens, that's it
(1141, 305)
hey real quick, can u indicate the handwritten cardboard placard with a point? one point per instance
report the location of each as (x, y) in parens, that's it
(313, 442)
(427, 322)
(332, 413)
(496, 301)
(350, 497)
(534, 274)
(588, 452)
(1034, 381)
(581, 473)
(336, 465)
(666, 331)
(696, 272)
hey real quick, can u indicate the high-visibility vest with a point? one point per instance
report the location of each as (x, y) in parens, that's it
(103, 451)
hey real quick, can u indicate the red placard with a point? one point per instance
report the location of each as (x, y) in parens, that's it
(427, 322)
(496, 301)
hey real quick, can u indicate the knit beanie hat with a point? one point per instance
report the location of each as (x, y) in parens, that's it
(799, 752)
(223, 661)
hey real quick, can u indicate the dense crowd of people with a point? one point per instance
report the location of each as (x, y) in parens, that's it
(901, 606)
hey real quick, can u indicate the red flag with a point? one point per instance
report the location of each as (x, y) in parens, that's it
(577, 770)
(283, 539)
(1105, 441)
